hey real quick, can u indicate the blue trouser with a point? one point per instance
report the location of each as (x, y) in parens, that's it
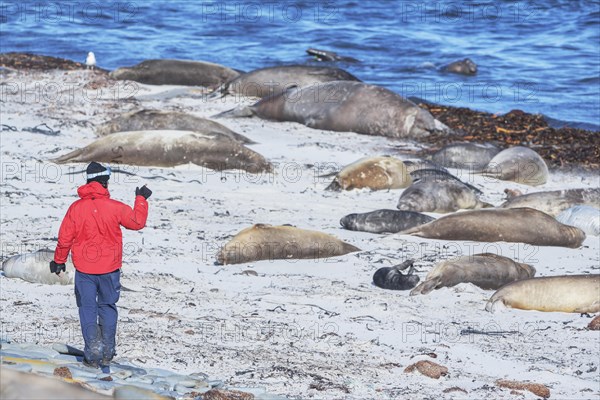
(97, 296)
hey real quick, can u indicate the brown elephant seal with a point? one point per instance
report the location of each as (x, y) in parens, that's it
(520, 225)
(34, 268)
(269, 81)
(176, 72)
(144, 120)
(462, 67)
(486, 270)
(470, 156)
(375, 173)
(566, 293)
(518, 164)
(430, 194)
(170, 148)
(555, 201)
(346, 106)
(384, 221)
(267, 242)
(391, 277)
(331, 56)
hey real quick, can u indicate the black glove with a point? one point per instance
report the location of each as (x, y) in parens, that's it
(144, 191)
(57, 268)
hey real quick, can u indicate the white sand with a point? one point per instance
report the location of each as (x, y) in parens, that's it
(298, 323)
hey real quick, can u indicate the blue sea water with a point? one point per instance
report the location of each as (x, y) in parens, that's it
(541, 57)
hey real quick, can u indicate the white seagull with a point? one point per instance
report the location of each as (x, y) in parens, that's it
(90, 61)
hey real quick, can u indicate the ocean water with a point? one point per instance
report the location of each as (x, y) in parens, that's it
(540, 57)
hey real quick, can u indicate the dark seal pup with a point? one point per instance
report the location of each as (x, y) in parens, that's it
(346, 106)
(384, 221)
(176, 72)
(391, 277)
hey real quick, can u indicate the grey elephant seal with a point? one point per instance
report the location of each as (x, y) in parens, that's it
(277, 80)
(486, 270)
(566, 293)
(520, 225)
(518, 164)
(176, 72)
(439, 176)
(462, 67)
(34, 268)
(440, 196)
(470, 156)
(331, 56)
(143, 120)
(375, 173)
(555, 201)
(346, 106)
(267, 242)
(391, 277)
(585, 218)
(384, 221)
(170, 148)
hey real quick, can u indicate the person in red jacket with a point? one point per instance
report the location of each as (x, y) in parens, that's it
(91, 231)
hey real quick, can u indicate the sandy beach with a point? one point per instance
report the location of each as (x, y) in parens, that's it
(315, 329)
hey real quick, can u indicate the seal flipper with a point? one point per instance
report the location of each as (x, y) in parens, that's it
(69, 157)
(238, 112)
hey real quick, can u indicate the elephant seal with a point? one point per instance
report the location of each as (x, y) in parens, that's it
(375, 173)
(384, 221)
(21, 385)
(518, 164)
(520, 225)
(462, 67)
(143, 120)
(555, 201)
(585, 218)
(432, 195)
(439, 176)
(346, 106)
(170, 148)
(34, 268)
(470, 156)
(566, 293)
(325, 55)
(277, 80)
(417, 164)
(486, 270)
(393, 279)
(267, 242)
(176, 72)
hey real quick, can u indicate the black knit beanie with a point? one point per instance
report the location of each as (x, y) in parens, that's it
(97, 173)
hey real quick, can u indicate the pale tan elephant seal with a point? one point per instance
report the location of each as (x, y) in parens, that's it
(375, 173)
(566, 293)
(267, 242)
(520, 225)
(486, 270)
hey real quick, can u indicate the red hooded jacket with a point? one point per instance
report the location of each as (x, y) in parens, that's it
(91, 229)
